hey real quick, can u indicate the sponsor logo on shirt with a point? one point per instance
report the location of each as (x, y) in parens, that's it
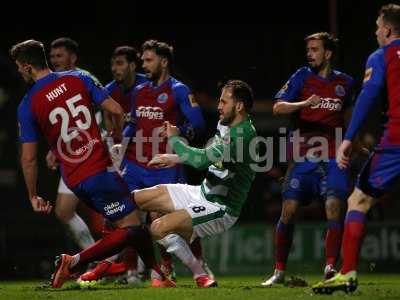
(329, 104)
(150, 112)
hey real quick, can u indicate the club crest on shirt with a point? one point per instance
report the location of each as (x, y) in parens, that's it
(294, 183)
(162, 98)
(340, 91)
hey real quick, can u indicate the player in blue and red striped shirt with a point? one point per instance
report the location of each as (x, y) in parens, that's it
(59, 107)
(382, 73)
(162, 98)
(317, 97)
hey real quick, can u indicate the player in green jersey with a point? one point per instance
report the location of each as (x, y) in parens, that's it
(215, 205)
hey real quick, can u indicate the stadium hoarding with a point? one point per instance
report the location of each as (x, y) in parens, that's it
(250, 249)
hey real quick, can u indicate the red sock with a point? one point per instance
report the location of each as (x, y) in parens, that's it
(130, 258)
(333, 242)
(352, 238)
(283, 243)
(197, 249)
(107, 246)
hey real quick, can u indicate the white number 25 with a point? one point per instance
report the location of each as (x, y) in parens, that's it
(74, 110)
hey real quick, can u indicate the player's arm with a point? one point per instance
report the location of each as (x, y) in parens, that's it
(29, 167)
(282, 107)
(108, 122)
(195, 157)
(195, 124)
(374, 81)
(286, 98)
(348, 103)
(130, 128)
(108, 118)
(29, 138)
(100, 96)
(116, 114)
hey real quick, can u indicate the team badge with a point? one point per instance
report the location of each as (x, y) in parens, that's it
(162, 98)
(340, 91)
(294, 183)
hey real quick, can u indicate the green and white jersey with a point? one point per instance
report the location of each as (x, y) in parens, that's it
(230, 159)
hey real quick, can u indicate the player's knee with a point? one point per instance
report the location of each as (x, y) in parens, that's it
(157, 229)
(360, 201)
(333, 209)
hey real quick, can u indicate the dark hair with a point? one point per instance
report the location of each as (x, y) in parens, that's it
(130, 53)
(241, 91)
(391, 15)
(30, 52)
(70, 45)
(329, 42)
(160, 48)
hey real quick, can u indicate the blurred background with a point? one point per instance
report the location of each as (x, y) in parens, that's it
(211, 45)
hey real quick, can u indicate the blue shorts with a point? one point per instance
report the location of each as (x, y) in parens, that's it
(138, 177)
(307, 180)
(107, 194)
(379, 172)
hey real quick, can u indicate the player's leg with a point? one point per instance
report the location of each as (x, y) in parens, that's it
(163, 228)
(154, 199)
(66, 204)
(108, 194)
(283, 241)
(296, 187)
(337, 191)
(193, 216)
(132, 175)
(377, 175)
(359, 204)
(197, 249)
(333, 238)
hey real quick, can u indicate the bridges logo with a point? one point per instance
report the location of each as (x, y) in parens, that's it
(329, 104)
(150, 112)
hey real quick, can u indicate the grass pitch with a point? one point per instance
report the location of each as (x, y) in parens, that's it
(372, 287)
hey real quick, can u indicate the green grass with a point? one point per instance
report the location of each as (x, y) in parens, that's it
(372, 287)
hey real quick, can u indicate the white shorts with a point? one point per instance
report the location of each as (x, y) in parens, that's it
(63, 189)
(208, 218)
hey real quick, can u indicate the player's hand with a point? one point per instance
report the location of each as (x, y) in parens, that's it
(116, 154)
(51, 160)
(170, 130)
(40, 205)
(313, 100)
(343, 154)
(164, 161)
